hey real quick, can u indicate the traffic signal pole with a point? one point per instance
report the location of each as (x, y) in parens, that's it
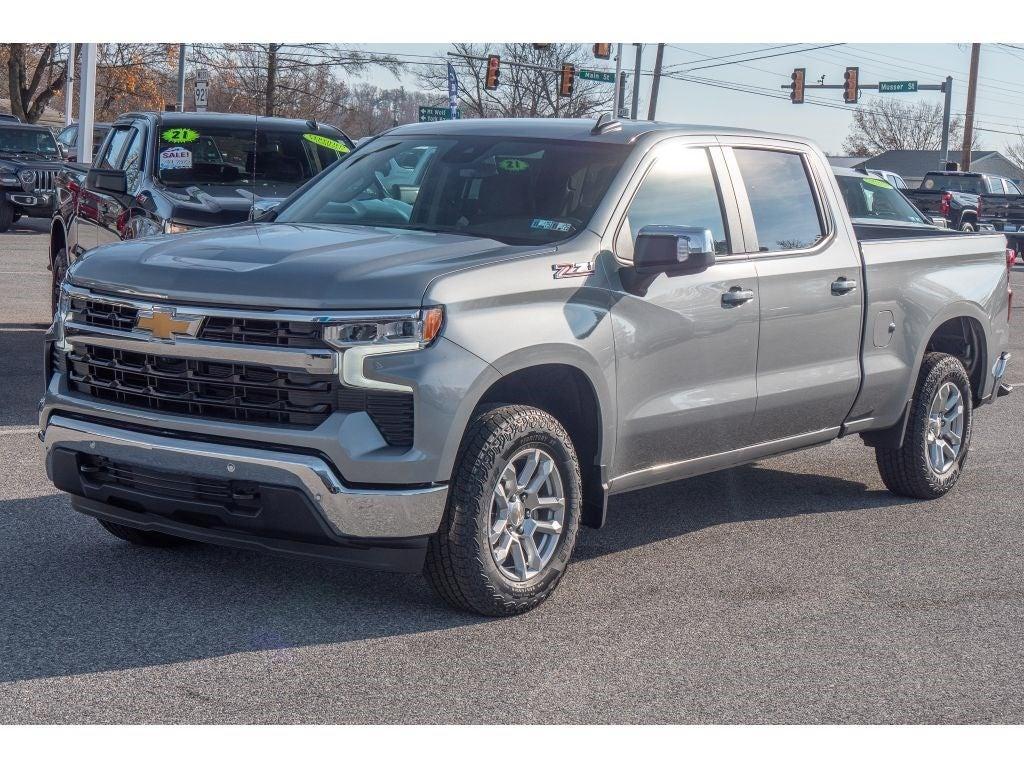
(636, 80)
(617, 111)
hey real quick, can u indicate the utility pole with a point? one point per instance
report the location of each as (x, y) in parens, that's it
(947, 90)
(618, 83)
(636, 80)
(972, 88)
(652, 108)
(181, 77)
(86, 103)
(69, 87)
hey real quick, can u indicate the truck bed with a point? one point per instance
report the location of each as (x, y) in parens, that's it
(874, 232)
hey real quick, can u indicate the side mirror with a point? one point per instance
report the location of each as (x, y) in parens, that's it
(107, 180)
(673, 250)
(262, 208)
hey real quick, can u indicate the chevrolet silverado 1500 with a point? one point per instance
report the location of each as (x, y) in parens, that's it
(446, 353)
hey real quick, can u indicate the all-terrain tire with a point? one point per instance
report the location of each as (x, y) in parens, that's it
(459, 563)
(141, 538)
(906, 471)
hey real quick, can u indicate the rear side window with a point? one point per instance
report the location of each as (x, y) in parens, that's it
(114, 146)
(781, 198)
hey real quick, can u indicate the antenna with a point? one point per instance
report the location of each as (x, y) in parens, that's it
(604, 124)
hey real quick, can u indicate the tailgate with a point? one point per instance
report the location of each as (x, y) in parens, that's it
(1002, 209)
(927, 200)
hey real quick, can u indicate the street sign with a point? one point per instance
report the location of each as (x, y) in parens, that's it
(434, 114)
(897, 86)
(202, 90)
(591, 74)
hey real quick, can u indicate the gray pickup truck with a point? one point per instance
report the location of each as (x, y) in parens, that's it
(446, 353)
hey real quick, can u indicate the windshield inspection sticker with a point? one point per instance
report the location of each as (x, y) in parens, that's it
(323, 141)
(555, 226)
(513, 165)
(878, 183)
(179, 135)
(174, 158)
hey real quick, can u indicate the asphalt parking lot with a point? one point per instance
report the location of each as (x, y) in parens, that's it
(795, 590)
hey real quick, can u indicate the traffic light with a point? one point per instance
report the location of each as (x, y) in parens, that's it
(796, 90)
(493, 72)
(602, 50)
(850, 85)
(566, 81)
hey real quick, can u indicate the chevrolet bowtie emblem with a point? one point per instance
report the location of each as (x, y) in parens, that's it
(165, 324)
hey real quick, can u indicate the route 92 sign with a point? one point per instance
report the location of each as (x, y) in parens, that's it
(202, 92)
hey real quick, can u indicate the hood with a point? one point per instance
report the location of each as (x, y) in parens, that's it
(297, 266)
(211, 206)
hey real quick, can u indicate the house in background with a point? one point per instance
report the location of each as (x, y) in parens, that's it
(913, 164)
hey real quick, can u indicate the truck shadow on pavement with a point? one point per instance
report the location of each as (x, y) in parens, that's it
(21, 358)
(75, 600)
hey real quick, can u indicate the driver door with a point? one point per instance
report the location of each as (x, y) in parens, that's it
(687, 350)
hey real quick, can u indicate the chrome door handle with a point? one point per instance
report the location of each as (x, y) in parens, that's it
(842, 285)
(736, 296)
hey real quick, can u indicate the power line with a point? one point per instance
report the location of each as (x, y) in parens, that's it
(755, 58)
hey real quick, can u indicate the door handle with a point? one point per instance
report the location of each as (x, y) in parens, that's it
(842, 285)
(736, 296)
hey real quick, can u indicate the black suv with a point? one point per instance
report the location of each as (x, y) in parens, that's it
(29, 160)
(161, 173)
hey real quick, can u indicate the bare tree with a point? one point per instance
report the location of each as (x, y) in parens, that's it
(1015, 151)
(35, 74)
(884, 124)
(284, 79)
(523, 91)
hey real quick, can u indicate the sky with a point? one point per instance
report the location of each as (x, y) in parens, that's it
(999, 109)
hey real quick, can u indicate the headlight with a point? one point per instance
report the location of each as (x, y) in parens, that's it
(174, 228)
(28, 178)
(63, 308)
(362, 338)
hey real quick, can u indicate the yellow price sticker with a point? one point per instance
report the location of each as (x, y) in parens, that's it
(323, 141)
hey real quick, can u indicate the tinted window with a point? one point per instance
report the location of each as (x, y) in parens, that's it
(1011, 188)
(132, 162)
(679, 190)
(975, 185)
(67, 136)
(520, 191)
(15, 140)
(119, 137)
(781, 199)
(272, 161)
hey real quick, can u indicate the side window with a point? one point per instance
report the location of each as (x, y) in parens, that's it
(132, 162)
(118, 138)
(781, 199)
(67, 136)
(680, 190)
(1011, 188)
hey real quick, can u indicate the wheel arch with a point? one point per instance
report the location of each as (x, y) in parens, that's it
(58, 239)
(569, 394)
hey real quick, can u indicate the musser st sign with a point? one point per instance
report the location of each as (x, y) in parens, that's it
(897, 86)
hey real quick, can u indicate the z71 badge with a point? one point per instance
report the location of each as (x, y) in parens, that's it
(579, 269)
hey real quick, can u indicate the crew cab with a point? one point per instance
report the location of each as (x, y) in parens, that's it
(29, 160)
(953, 196)
(171, 172)
(454, 372)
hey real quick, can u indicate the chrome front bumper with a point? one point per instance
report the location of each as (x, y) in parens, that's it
(350, 512)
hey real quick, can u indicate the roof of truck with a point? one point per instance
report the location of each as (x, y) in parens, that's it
(230, 119)
(578, 129)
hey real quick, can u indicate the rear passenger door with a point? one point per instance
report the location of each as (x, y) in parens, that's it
(809, 282)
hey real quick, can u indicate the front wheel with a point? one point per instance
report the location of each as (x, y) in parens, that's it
(938, 436)
(513, 514)
(60, 268)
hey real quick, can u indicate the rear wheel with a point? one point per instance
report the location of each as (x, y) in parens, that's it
(6, 216)
(513, 514)
(938, 436)
(141, 538)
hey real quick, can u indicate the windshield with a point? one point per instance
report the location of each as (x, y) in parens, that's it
(211, 155)
(870, 198)
(972, 184)
(517, 191)
(28, 141)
